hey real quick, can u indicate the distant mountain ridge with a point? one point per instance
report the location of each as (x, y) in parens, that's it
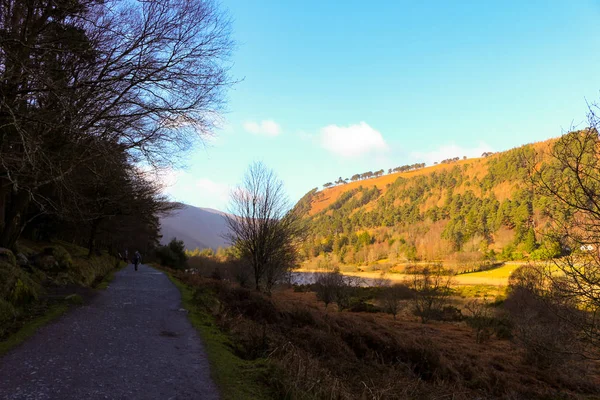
(198, 227)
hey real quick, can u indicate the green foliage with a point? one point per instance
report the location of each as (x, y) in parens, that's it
(16, 286)
(25, 290)
(30, 326)
(54, 258)
(7, 256)
(7, 314)
(62, 257)
(87, 271)
(172, 255)
(463, 201)
(549, 249)
(200, 253)
(23, 309)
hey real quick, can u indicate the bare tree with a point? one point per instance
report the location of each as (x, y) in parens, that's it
(263, 226)
(327, 284)
(570, 178)
(480, 318)
(538, 319)
(79, 77)
(391, 298)
(431, 291)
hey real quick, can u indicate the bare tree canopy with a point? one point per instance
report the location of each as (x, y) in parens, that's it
(263, 227)
(571, 284)
(82, 79)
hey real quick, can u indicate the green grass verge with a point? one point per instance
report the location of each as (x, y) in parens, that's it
(51, 313)
(32, 326)
(108, 278)
(236, 378)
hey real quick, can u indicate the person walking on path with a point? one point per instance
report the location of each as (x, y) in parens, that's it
(137, 259)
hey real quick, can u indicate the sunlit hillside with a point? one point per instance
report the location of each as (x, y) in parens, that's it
(467, 212)
(329, 195)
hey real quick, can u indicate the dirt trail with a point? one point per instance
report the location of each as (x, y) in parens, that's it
(132, 342)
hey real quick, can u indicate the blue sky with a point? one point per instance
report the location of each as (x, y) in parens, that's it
(333, 88)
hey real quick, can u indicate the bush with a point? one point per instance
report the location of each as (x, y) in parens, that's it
(54, 258)
(62, 257)
(549, 341)
(16, 286)
(172, 255)
(7, 256)
(326, 286)
(503, 328)
(479, 317)
(25, 290)
(432, 289)
(7, 314)
(363, 306)
(391, 298)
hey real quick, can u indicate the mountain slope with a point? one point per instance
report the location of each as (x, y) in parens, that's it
(198, 227)
(472, 209)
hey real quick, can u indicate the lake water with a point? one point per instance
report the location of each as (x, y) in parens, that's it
(309, 278)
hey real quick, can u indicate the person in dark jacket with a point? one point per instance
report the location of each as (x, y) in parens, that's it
(137, 259)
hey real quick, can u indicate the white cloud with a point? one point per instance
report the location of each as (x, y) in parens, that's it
(266, 127)
(352, 140)
(450, 151)
(217, 192)
(168, 177)
(184, 187)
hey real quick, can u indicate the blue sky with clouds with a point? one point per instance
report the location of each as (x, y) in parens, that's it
(332, 88)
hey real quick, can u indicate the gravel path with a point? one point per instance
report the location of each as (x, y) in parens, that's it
(132, 342)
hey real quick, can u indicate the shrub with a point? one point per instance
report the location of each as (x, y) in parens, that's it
(172, 255)
(7, 314)
(391, 298)
(16, 286)
(548, 340)
(25, 290)
(326, 286)
(7, 256)
(479, 317)
(363, 306)
(431, 291)
(503, 328)
(62, 257)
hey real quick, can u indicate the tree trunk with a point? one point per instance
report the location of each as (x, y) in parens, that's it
(92, 238)
(256, 280)
(15, 206)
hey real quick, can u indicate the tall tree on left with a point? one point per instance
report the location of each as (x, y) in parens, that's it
(79, 78)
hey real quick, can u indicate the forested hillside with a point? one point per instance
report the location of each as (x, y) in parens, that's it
(466, 211)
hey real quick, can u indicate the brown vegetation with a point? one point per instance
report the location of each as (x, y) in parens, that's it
(322, 354)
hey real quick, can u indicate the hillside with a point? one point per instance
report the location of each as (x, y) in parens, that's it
(464, 211)
(198, 227)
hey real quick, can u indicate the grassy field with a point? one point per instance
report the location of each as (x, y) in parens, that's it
(495, 277)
